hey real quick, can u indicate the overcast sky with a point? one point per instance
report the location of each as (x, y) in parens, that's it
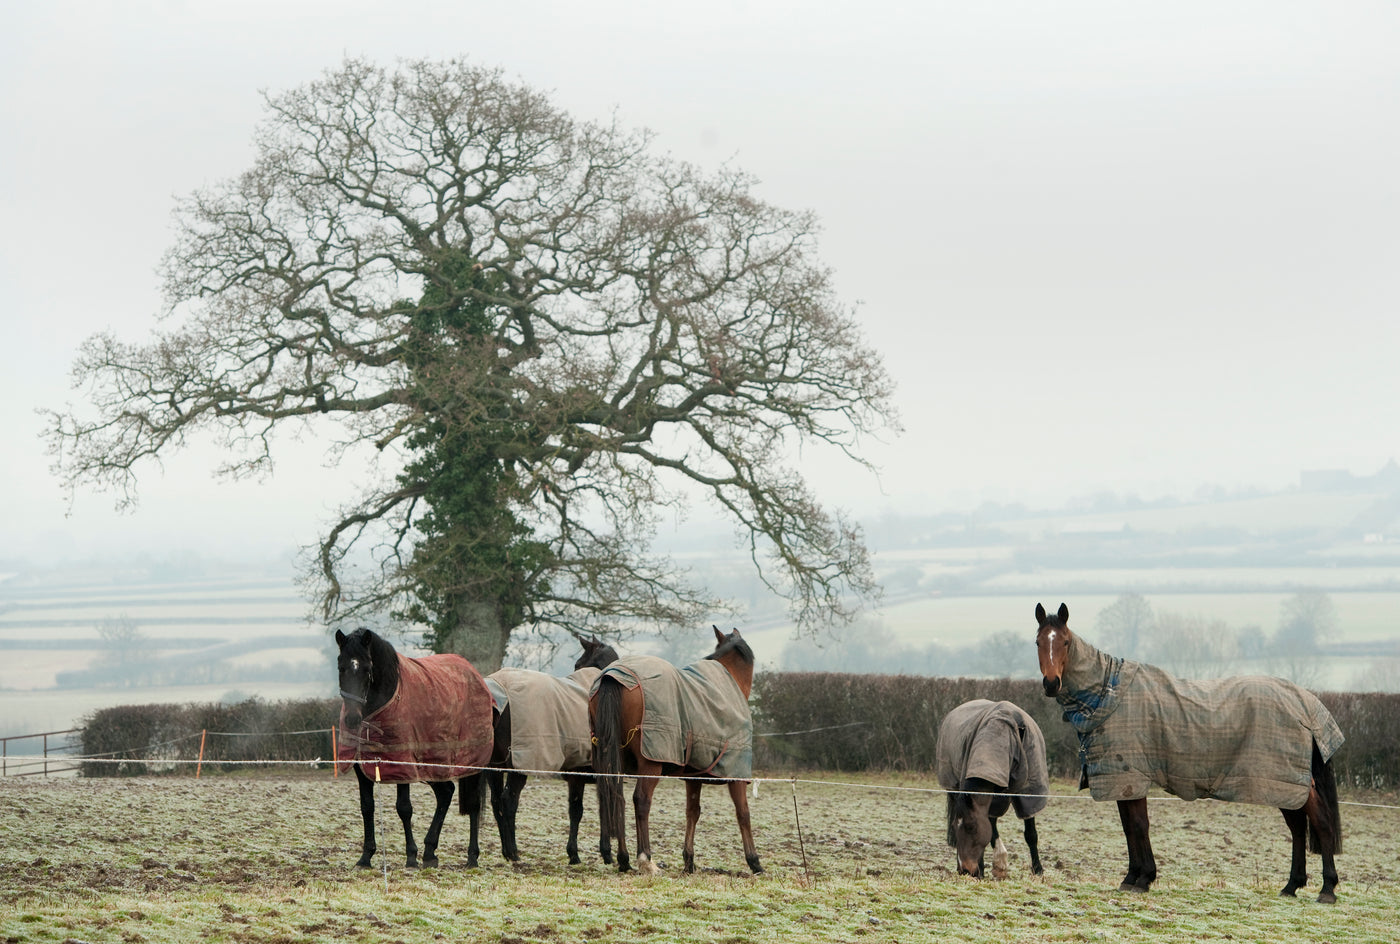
(1102, 245)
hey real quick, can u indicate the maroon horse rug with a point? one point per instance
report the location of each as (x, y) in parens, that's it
(695, 717)
(437, 725)
(548, 717)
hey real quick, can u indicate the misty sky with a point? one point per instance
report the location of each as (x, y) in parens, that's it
(1102, 245)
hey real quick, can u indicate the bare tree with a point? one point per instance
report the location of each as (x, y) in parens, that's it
(1305, 619)
(1192, 646)
(442, 265)
(1124, 626)
(122, 636)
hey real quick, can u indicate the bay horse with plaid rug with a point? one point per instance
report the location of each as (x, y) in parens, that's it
(404, 721)
(541, 723)
(1249, 739)
(652, 719)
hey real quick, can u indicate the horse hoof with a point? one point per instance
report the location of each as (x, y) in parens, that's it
(1327, 898)
(1288, 892)
(1128, 887)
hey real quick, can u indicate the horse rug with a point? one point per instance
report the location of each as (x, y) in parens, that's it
(437, 725)
(548, 717)
(695, 717)
(998, 742)
(1247, 739)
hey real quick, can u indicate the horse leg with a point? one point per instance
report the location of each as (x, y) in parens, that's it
(648, 776)
(515, 783)
(575, 785)
(367, 814)
(469, 805)
(999, 857)
(741, 812)
(1324, 823)
(1297, 821)
(442, 791)
(1033, 843)
(504, 812)
(604, 840)
(404, 806)
(1142, 866)
(692, 816)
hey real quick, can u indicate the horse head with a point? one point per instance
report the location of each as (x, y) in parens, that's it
(364, 673)
(732, 652)
(1052, 643)
(970, 824)
(596, 654)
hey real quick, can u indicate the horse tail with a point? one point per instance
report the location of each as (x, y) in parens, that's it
(607, 758)
(952, 818)
(1325, 783)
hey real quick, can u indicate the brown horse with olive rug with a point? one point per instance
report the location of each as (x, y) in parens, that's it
(1249, 739)
(652, 719)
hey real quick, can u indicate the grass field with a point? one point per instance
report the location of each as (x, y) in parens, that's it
(269, 858)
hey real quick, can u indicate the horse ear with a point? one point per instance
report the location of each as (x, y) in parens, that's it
(1063, 614)
(340, 639)
(719, 636)
(1039, 613)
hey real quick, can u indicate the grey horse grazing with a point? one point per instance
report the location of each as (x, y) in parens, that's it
(991, 758)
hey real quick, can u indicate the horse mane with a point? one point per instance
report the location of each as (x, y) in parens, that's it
(385, 662)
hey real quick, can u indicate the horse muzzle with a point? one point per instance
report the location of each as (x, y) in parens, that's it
(1051, 686)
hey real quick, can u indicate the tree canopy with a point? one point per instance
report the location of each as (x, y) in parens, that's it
(558, 334)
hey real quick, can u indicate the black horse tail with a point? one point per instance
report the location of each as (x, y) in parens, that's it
(607, 758)
(952, 818)
(1325, 783)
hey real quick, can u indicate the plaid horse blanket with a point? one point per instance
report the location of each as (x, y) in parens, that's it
(437, 726)
(695, 717)
(1247, 739)
(548, 717)
(998, 742)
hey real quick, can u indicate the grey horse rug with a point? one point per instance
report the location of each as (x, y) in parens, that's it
(695, 717)
(998, 742)
(437, 726)
(1248, 739)
(548, 717)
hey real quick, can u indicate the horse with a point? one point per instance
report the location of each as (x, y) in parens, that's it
(550, 718)
(986, 750)
(409, 721)
(664, 721)
(1248, 739)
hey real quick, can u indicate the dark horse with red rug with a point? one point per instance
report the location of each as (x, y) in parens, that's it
(1249, 739)
(542, 725)
(652, 719)
(405, 720)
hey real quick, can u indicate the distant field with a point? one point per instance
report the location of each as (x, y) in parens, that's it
(1265, 515)
(265, 617)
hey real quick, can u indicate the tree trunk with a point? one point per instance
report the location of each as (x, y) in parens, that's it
(478, 636)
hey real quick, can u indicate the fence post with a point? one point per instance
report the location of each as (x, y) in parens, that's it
(200, 766)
